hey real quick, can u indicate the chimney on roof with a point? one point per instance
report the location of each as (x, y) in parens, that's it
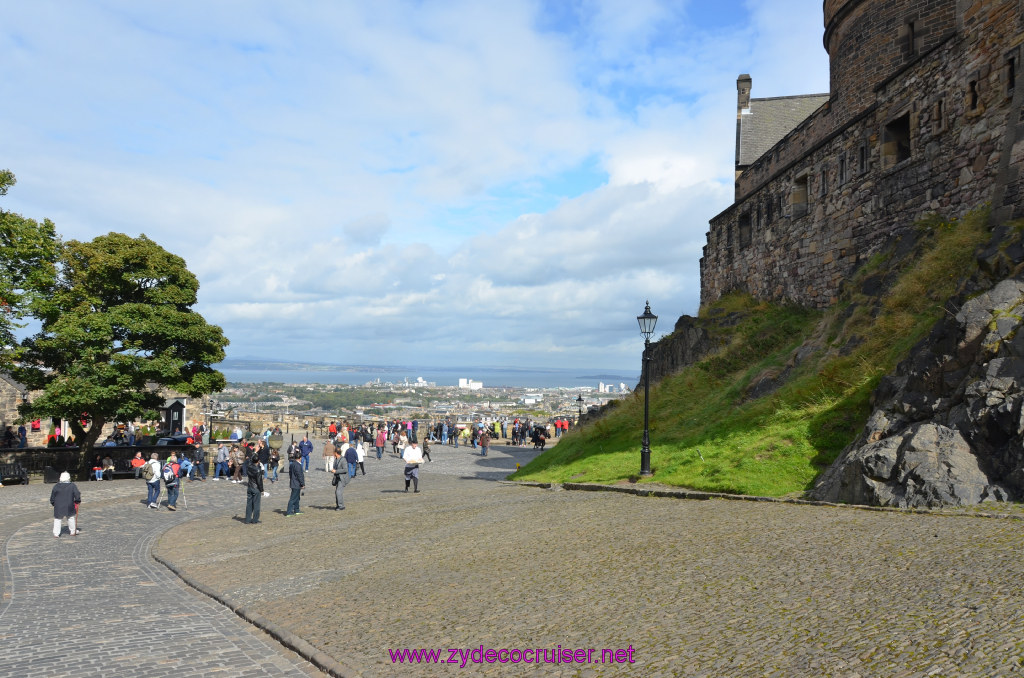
(743, 85)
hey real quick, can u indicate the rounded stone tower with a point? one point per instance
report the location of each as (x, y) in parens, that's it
(869, 41)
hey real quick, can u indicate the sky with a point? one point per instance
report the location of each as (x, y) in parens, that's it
(402, 182)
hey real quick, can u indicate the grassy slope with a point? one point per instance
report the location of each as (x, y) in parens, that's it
(706, 435)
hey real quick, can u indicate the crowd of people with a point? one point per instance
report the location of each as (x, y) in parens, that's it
(252, 460)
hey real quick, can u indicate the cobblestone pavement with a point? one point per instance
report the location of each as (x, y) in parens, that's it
(701, 588)
(97, 604)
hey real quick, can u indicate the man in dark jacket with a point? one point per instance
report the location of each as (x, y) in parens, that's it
(254, 491)
(297, 481)
(351, 458)
(65, 499)
(199, 463)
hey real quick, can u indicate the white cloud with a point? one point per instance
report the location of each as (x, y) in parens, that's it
(400, 182)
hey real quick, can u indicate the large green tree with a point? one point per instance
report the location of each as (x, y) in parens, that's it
(28, 252)
(117, 327)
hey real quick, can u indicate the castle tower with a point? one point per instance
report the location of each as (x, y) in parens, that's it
(871, 41)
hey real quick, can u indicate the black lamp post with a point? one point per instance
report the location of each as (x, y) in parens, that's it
(647, 322)
(579, 407)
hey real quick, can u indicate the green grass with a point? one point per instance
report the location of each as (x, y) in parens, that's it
(707, 434)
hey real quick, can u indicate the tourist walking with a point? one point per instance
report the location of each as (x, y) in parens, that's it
(221, 462)
(413, 457)
(296, 482)
(254, 490)
(199, 465)
(340, 479)
(237, 460)
(153, 481)
(171, 481)
(305, 448)
(65, 498)
(351, 458)
(329, 449)
(381, 439)
(275, 463)
(485, 441)
(360, 456)
(263, 451)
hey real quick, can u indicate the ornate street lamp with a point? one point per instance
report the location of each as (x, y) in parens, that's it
(647, 322)
(579, 407)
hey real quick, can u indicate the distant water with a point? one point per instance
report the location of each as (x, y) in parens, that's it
(490, 376)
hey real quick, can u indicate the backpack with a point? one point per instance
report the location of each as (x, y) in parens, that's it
(168, 474)
(147, 471)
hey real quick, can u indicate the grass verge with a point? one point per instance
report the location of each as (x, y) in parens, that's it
(709, 428)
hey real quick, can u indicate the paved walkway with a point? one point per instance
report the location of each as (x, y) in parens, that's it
(702, 588)
(99, 605)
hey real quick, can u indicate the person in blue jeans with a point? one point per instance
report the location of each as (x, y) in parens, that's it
(275, 461)
(352, 458)
(221, 461)
(153, 484)
(171, 480)
(305, 448)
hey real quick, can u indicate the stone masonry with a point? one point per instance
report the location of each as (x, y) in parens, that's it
(924, 117)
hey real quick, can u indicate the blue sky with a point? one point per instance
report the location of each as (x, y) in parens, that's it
(437, 183)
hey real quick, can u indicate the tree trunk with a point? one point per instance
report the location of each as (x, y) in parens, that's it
(86, 441)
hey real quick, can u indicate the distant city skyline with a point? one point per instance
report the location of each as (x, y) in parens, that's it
(399, 182)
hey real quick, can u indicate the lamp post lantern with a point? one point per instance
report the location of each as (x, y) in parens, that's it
(647, 322)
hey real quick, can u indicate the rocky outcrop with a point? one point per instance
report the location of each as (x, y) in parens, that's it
(688, 343)
(947, 426)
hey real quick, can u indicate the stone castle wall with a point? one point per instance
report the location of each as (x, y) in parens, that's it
(941, 132)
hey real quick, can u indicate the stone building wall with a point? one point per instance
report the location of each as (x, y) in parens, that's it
(943, 135)
(11, 394)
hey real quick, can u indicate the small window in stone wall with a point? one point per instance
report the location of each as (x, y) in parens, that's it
(822, 184)
(841, 169)
(939, 116)
(896, 141)
(799, 196)
(908, 39)
(744, 228)
(768, 210)
(973, 98)
(863, 159)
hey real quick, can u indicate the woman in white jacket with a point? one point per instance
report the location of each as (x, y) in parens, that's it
(360, 455)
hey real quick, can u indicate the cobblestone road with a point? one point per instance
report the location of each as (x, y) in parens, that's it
(701, 588)
(97, 604)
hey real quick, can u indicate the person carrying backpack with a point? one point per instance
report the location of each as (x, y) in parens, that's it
(151, 474)
(171, 481)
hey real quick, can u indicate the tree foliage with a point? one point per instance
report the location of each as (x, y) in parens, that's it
(117, 328)
(28, 253)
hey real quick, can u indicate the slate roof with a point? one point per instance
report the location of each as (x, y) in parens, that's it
(768, 120)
